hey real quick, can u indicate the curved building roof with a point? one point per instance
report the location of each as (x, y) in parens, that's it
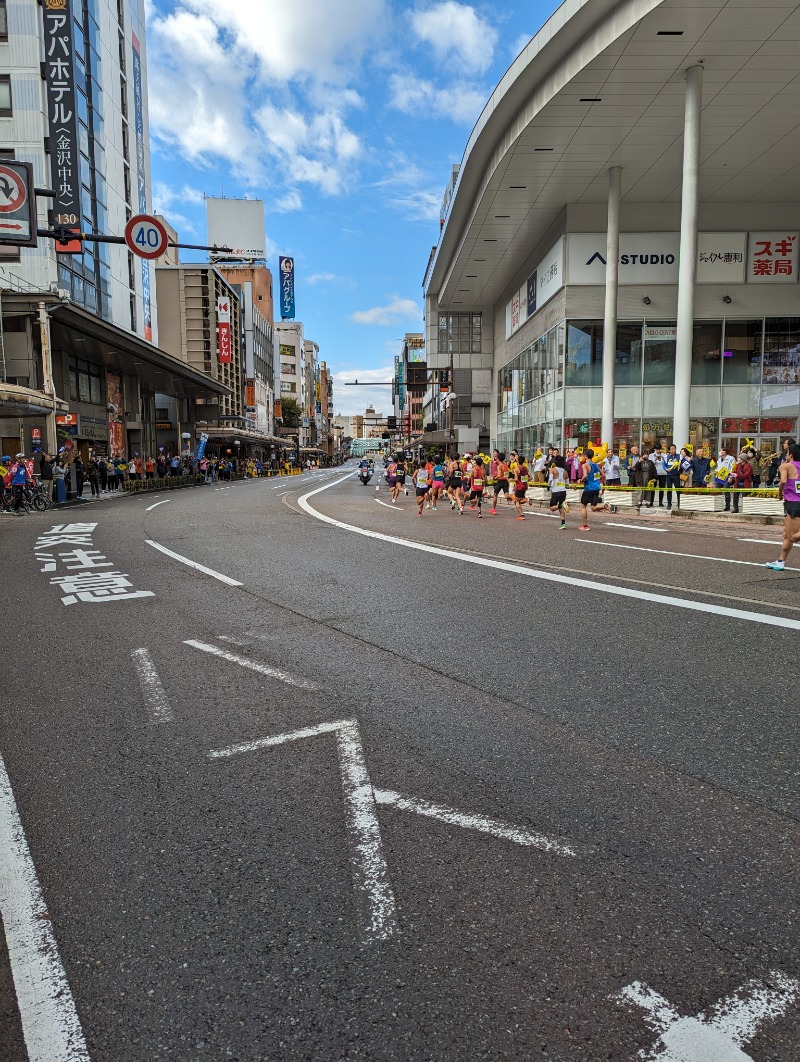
(602, 84)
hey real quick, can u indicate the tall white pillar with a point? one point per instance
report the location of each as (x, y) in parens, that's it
(688, 254)
(610, 315)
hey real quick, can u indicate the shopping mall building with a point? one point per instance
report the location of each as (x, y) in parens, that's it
(633, 184)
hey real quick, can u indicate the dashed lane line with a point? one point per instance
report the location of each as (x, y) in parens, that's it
(687, 604)
(50, 1023)
(155, 696)
(252, 665)
(193, 564)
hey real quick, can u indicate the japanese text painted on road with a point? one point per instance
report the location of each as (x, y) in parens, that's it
(84, 577)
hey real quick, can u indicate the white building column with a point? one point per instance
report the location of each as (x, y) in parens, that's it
(688, 254)
(610, 315)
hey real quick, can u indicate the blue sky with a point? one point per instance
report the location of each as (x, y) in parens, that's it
(345, 117)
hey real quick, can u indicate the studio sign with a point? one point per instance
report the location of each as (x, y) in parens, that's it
(652, 257)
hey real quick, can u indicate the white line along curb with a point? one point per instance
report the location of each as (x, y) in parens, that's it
(550, 577)
(50, 1022)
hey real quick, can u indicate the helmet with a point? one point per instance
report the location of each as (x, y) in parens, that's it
(5, 458)
(20, 455)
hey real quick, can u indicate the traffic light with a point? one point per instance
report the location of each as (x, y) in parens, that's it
(391, 423)
(417, 378)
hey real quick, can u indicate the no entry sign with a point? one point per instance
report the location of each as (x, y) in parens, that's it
(17, 204)
(146, 236)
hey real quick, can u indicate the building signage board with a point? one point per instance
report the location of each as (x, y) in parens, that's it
(772, 257)
(238, 224)
(660, 334)
(531, 295)
(644, 258)
(286, 272)
(224, 330)
(416, 356)
(721, 257)
(61, 116)
(138, 113)
(541, 285)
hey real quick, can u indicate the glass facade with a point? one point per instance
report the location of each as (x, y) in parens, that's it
(745, 384)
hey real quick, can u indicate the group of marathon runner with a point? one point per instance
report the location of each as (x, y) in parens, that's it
(465, 482)
(468, 482)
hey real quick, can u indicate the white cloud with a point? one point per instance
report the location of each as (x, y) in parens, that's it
(461, 101)
(292, 200)
(279, 107)
(456, 31)
(396, 310)
(419, 205)
(521, 42)
(351, 400)
(300, 40)
(165, 197)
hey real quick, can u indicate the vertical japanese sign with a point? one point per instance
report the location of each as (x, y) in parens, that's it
(61, 116)
(140, 177)
(224, 330)
(773, 258)
(286, 269)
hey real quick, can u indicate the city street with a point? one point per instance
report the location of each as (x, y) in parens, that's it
(319, 780)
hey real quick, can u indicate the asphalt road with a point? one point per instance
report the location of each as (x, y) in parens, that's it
(378, 801)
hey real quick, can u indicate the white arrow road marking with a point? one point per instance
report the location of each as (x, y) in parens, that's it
(50, 1022)
(716, 1035)
(481, 823)
(253, 665)
(153, 692)
(371, 877)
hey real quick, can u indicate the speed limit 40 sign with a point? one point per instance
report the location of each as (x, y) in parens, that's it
(146, 236)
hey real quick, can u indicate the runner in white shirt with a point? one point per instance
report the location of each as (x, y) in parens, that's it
(558, 477)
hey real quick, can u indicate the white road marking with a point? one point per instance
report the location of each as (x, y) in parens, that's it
(253, 665)
(551, 577)
(193, 564)
(232, 640)
(715, 1035)
(481, 823)
(50, 1022)
(760, 541)
(153, 692)
(640, 527)
(370, 874)
(164, 502)
(670, 553)
(386, 505)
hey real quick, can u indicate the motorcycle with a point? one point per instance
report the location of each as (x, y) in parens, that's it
(365, 475)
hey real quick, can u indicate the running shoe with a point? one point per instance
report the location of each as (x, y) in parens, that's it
(472, 508)
(419, 514)
(777, 566)
(480, 516)
(562, 527)
(584, 527)
(520, 517)
(433, 509)
(493, 512)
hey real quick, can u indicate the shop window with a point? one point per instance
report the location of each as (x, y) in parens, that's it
(707, 352)
(628, 371)
(85, 381)
(741, 351)
(5, 96)
(782, 350)
(659, 353)
(584, 354)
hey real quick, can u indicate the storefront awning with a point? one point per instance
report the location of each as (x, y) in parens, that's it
(25, 402)
(88, 336)
(218, 433)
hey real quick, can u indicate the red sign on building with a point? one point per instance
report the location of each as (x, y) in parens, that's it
(224, 330)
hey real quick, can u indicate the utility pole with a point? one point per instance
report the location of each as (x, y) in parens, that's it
(48, 384)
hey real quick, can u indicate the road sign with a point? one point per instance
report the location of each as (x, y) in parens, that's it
(146, 236)
(17, 204)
